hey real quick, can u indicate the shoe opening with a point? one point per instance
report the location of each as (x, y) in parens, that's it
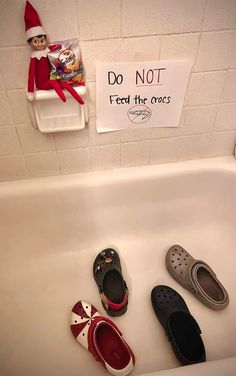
(111, 347)
(186, 338)
(209, 285)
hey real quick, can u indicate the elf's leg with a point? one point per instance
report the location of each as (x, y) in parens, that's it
(55, 85)
(74, 93)
(51, 84)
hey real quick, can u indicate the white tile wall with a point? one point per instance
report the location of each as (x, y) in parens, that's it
(91, 98)
(101, 138)
(135, 153)
(140, 48)
(42, 164)
(12, 168)
(229, 90)
(19, 106)
(136, 134)
(32, 141)
(226, 117)
(105, 157)
(98, 51)
(99, 19)
(59, 20)
(170, 132)
(191, 147)
(217, 50)
(220, 15)
(164, 150)
(74, 160)
(205, 88)
(221, 142)
(5, 110)
(121, 30)
(180, 46)
(14, 78)
(70, 140)
(1, 82)
(161, 16)
(199, 119)
(11, 27)
(9, 143)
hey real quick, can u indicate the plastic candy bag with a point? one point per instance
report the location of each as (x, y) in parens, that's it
(66, 61)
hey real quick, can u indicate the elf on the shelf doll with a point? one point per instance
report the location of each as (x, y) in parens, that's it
(39, 68)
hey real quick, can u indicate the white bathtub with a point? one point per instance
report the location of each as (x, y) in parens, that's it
(50, 231)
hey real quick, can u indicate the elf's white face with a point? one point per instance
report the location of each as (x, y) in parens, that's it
(38, 43)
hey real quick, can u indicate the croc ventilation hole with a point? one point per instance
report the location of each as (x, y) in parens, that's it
(177, 258)
(167, 298)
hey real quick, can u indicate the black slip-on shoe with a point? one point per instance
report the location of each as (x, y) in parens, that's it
(180, 327)
(111, 284)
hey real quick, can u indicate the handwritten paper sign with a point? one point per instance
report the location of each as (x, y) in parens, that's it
(140, 94)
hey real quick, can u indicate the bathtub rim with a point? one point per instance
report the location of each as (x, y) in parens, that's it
(212, 367)
(93, 178)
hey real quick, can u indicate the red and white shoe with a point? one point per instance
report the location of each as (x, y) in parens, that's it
(100, 336)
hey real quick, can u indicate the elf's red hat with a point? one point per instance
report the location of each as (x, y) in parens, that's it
(33, 25)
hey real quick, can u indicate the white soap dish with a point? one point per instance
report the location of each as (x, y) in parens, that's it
(50, 114)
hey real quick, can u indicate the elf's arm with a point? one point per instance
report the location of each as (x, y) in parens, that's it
(31, 78)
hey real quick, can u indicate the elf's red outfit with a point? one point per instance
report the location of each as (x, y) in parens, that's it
(39, 73)
(39, 68)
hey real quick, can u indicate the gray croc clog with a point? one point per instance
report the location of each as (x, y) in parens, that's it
(197, 277)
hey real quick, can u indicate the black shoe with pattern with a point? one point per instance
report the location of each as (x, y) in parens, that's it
(112, 287)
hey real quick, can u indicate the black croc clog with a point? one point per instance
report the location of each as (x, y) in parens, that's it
(180, 327)
(112, 287)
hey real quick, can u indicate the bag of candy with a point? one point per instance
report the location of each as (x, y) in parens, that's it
(66, 61)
